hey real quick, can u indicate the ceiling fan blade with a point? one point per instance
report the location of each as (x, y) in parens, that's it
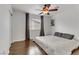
(53, 9)
(47, 5)
(41, 13)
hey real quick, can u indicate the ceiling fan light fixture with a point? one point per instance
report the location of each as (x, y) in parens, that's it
(45, 10)
(48, 8)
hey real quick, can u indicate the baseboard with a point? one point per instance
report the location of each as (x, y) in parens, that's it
(6, 51)
(9, 49)
(18, 40)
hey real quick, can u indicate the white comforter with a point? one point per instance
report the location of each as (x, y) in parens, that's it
(56, 45)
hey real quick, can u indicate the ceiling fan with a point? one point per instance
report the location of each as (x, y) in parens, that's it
(46, 9)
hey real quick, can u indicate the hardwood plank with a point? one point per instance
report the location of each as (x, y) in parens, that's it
(75, 51)
(27, 47)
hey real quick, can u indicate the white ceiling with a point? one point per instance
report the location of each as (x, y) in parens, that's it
(31, 8)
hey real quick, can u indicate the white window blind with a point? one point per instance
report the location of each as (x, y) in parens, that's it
(35, 24)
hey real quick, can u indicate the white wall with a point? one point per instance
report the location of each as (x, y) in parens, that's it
(67, 19)
(18, 26)
(4, 29)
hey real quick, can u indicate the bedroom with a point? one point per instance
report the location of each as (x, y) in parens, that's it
(65, 20)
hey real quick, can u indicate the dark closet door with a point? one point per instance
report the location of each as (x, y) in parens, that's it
(27, 27)
(42, 26)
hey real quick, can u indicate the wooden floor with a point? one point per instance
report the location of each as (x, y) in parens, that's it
(26, 48)
(76, 52)
(29, 48)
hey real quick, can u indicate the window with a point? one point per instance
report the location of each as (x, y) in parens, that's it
(35, 24)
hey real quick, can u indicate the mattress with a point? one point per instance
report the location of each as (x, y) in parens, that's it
(53, 45)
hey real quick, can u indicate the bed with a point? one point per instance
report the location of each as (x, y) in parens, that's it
(54, 45)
